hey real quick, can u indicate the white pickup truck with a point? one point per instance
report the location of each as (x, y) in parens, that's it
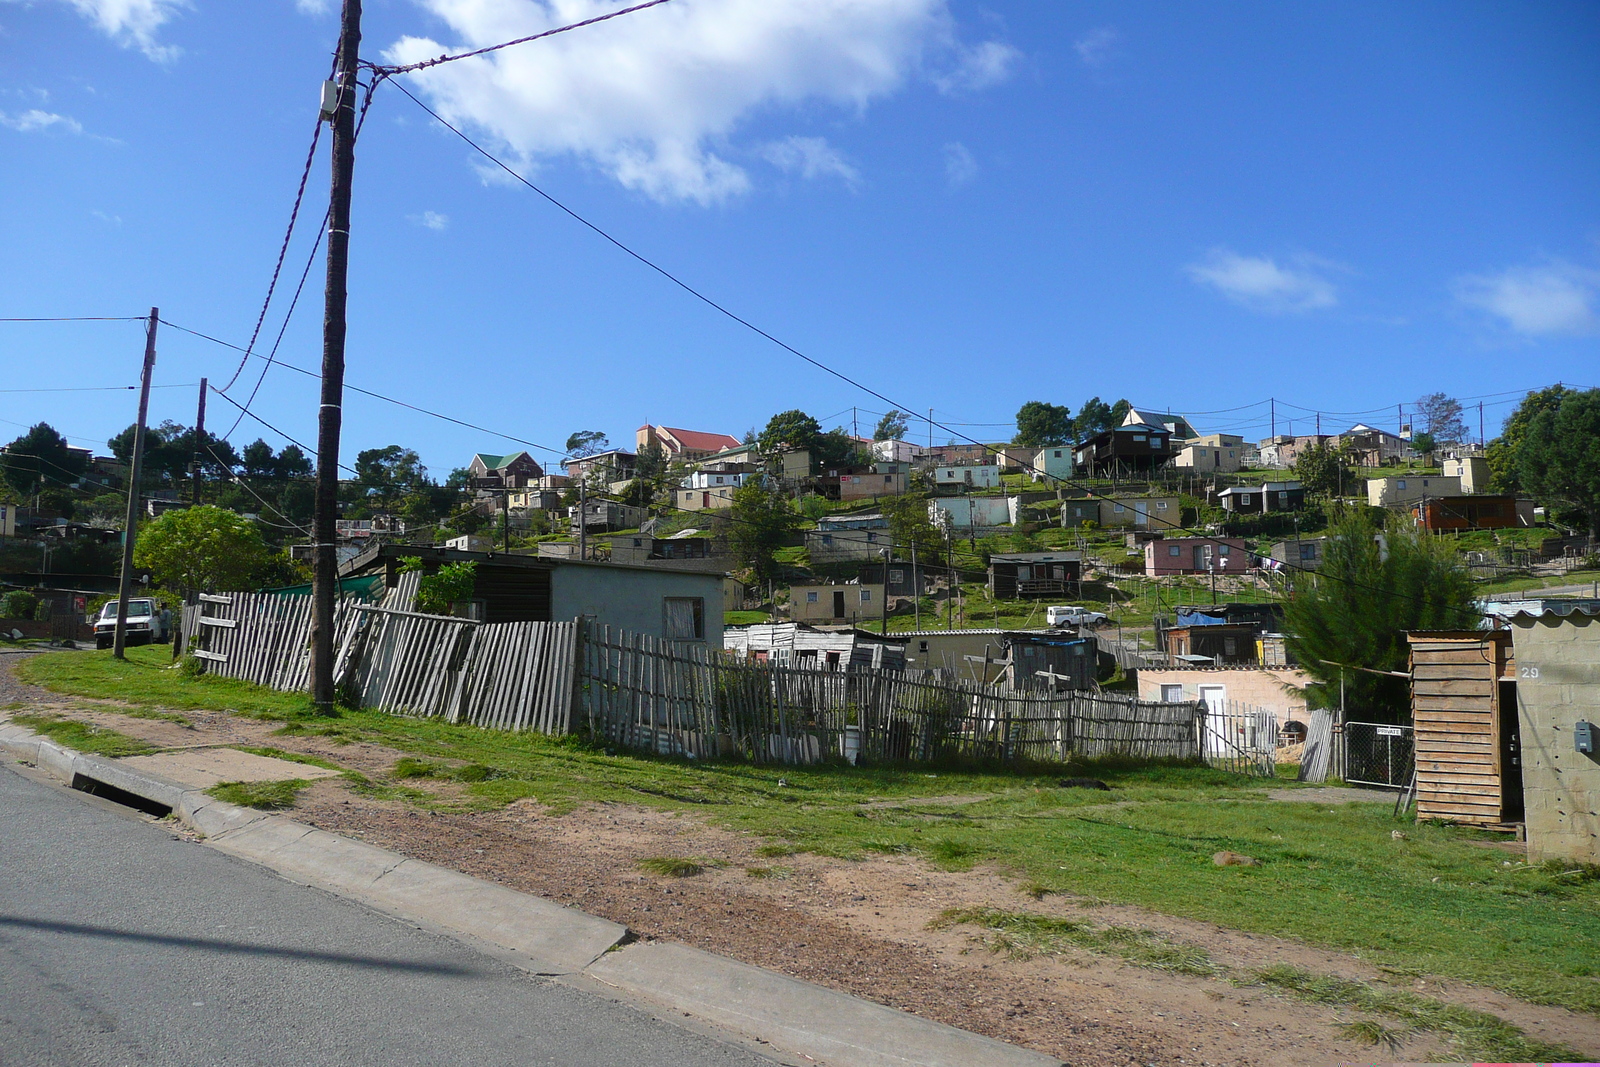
(146, 623)
(1064, 615)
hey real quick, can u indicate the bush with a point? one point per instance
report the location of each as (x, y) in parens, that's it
(18, 604)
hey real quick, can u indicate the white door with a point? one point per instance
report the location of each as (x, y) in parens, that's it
(1141, 514)
(1217, 741)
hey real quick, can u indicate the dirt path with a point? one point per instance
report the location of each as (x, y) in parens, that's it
(864, 926)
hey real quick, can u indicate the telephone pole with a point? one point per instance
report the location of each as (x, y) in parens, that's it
(199, 439)
(325, 576)
(130, 527)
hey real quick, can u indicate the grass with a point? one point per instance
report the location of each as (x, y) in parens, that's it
(148, 678)
(84, 737)
(1475, 1033)
(670, 866)
(745, 618)
(1530, 584)
(1438, 902)
(268, 796)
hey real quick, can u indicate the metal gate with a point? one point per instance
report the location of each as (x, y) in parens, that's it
(1378, 753)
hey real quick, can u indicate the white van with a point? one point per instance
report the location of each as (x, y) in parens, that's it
(1065, 615)
(146, 623)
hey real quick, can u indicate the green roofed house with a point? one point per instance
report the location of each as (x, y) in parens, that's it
(516, 471)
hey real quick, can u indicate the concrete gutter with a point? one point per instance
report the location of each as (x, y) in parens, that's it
(789, 1015)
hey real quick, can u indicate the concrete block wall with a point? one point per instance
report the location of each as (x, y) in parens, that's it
(1558, 684)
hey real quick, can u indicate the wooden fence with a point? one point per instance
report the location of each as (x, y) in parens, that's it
(506, 676)
(643, 693)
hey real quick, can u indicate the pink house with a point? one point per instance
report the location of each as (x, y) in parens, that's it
(1196, 555)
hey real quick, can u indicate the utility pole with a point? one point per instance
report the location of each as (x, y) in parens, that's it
(930, 429)
(130, 526)
(199, 439)
(1483, 441)
(884, 596)
(583, 516)
(1272, 406)
(916, 586)
(325, 576)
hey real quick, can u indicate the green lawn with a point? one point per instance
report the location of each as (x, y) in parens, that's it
(1434, 902)
(1533, 585)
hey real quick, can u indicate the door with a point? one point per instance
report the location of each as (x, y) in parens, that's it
(1510, 755)
(1218, 738)
(1141, 514)
(1201, 555)
(838, 605)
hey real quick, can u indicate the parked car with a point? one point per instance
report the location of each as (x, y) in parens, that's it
(1065, 615)
(147, 622)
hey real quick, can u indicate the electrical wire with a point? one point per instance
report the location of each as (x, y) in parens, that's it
(303, 447)
(283, 249)
(81, 318)
(426, 63)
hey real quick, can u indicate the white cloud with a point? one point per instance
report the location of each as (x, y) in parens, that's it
(1097, 47)
(1262, 284)
(810, 157)
(1551, 299)
(959, 166)
(33, 120)
(133, 23)
(655, 99)
(110, 220)
(431, 220)
(979, 67)
(313, 7)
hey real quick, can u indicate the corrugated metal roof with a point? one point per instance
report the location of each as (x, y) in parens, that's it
(1586, 608)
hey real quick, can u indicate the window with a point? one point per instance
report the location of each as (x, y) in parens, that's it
(888, 479)
(896, 574)
(922, 646)
(1174, 550)
(1224, 549)
(1139, 437)
(1308, 551)
(1057, 453)
(872, 538)
(1401, 484)
(1283, 496)
(866, 596)
(827, 539)
(1119, 509)
(1161, 505)
(1171, 694)
(638, 542)
(684, 618)
(811, 597)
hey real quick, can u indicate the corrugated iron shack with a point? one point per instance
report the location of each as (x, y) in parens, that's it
(1464, 712)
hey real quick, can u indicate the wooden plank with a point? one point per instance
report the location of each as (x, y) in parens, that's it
(213, 598)
(1466, 688)
(227, 624)
(213, 657)
(1466, 656)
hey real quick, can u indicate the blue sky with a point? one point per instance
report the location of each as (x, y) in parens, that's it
(965, 206)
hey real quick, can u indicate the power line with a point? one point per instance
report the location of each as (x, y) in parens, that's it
(283, 249)
(81, 318)
(426, 63)
(303, 447)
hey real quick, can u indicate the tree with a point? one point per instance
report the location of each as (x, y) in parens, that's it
(202, 549)
(837, 449)
(587, 443)
(1094, 417)
(1501, 453)
(439, 592)
(789, 429)
(1424, 443)
(1441, 417)
(1559, 458)
(1375, 584)
(1040, 425)
(1119, 411)
(758, 524)
(892, 427)
(384, 476)
(1322, 468)
(40, 458)
(909, 525)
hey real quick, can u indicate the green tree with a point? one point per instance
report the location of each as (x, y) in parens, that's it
(789, 429)
(1558, 460)
(202, 549)
(587, 443)
(1322, 468)
(1374, 584)
(837, 449)
(439, 592)
(1119, 411)
(1501, 454)
(1040, 425)
(1094, 417)
(758, 524)
(909, 525)
(892, 427)
(40, 459)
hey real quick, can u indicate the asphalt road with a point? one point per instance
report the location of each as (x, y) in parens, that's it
(121, 945)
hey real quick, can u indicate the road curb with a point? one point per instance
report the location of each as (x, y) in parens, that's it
(551, 940)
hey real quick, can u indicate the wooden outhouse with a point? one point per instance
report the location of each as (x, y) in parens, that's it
(1464, 713)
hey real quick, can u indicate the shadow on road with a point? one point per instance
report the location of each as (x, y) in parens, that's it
(234, 947)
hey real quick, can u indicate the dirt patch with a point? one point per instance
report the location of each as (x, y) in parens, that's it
(1331, 794)
(864, 927)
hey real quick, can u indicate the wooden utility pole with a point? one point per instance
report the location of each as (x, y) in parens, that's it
(130, 526)
(199, 439)
(916, 585)
(887, 553)
(583, 516)
(325, 576)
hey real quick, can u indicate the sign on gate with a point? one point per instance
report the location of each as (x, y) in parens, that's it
(1380, 754)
